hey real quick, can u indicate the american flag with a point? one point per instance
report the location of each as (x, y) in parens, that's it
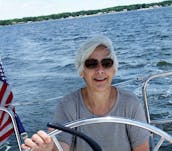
(6, 97)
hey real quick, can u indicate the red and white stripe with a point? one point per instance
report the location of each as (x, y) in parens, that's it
(6, 97)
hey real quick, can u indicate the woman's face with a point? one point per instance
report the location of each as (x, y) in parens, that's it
(98, 78)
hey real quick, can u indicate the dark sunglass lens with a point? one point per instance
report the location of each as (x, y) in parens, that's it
(107, 63)
(91, 63)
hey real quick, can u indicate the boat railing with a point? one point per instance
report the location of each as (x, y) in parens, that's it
(146, 102)
(16, 130)
(155, 122)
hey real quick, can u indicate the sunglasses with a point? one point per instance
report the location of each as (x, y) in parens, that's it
(94, 63)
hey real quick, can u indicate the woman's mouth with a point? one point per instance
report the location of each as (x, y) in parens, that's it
(100, 79)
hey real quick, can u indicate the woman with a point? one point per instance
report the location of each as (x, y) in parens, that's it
(97, 64)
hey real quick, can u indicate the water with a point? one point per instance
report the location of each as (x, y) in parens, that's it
(39, 59)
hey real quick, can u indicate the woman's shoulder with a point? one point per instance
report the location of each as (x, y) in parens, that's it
(68, 104)
(72, 95)
(70, 98)
(125, 92)
(128, 97)
(129, 102)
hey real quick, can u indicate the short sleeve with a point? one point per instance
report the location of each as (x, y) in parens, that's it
(138, 136)
(62, 118)
(66, 112)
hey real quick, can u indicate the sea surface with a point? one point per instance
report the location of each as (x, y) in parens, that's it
(38, 59)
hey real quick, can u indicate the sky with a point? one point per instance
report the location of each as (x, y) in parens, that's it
(10, 9)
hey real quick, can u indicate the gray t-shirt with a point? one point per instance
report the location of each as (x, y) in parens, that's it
(111, 136)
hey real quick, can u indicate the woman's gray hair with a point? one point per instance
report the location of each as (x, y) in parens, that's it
(89, 46)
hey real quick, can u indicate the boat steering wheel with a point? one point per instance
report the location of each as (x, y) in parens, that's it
(120, 120)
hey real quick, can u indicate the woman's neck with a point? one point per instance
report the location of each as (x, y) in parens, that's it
(99, 103)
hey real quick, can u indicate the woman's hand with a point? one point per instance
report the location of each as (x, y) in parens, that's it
(39, 142)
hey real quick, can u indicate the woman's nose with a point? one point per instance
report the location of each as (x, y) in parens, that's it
(100, 68)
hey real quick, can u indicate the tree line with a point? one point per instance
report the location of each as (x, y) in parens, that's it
(83, 13)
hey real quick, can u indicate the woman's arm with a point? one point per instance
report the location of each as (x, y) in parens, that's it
(142, 147)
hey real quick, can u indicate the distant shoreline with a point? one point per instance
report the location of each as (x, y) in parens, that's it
(112, 12)
(68, 15)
